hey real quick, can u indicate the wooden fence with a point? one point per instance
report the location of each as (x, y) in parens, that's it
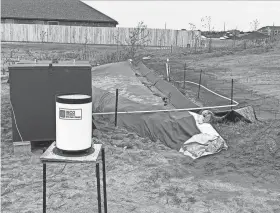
(94, 35)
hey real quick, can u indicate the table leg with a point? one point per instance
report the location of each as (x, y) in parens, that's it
(104, 180)
(44, 188)
(98, 188)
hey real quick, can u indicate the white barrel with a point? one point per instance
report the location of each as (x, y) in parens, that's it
(73, 122)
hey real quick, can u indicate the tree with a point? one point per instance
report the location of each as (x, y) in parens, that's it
(192, 26)
(43, 35)
(194, 36)
(85, 52)
(206, 23)
(138, 38)
(234, 34)
(255, 24)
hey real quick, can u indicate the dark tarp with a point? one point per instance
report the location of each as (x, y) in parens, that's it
(171, 128)
(177, 99)
(246, 114)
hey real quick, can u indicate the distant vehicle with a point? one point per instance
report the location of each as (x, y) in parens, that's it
(224, 37)
(227, 35)
(147, 58)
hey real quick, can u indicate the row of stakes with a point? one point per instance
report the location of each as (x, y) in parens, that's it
(168, 78)
(168, 72)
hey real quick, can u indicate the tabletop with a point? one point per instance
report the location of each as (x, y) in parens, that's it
(51, 156)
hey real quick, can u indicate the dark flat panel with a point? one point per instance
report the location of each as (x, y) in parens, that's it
(29, 96)
(33, 91)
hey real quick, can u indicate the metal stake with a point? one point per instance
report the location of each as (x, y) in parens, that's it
(199, 83)
(98, 188)
(169, 72)
(44, 188)
(185, 67)
(104, 180)
(231, 99)
(167, 69)
(116, 107)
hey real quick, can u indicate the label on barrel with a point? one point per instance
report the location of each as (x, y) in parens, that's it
(70, 114)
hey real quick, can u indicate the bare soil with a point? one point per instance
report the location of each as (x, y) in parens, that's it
(149, 177)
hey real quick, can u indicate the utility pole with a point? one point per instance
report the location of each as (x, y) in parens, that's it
(165, 26)
(224, 27)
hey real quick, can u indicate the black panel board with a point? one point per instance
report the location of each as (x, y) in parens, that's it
(33, 90)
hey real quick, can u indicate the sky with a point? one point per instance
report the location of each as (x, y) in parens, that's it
(178, 14)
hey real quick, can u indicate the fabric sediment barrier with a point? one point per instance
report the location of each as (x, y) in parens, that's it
(176, 98)
(149, 116)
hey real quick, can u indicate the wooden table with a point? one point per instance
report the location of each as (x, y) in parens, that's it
(52, 156)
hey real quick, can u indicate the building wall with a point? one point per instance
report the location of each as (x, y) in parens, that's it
(64, 23)
(270, 31)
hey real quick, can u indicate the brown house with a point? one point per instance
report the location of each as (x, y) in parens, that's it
(53, 12)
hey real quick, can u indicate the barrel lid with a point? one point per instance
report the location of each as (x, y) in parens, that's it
(73, 99)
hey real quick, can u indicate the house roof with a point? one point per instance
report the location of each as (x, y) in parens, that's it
(271, 27)
(254, 35)
(67, 10)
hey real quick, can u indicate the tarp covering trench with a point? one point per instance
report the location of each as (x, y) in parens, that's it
(171, 128)
(174, 129)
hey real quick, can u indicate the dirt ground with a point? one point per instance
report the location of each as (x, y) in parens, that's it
(149, 177)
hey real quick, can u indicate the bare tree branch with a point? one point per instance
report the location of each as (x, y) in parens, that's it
(255, 24)
(137, 39)
(206, 23)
